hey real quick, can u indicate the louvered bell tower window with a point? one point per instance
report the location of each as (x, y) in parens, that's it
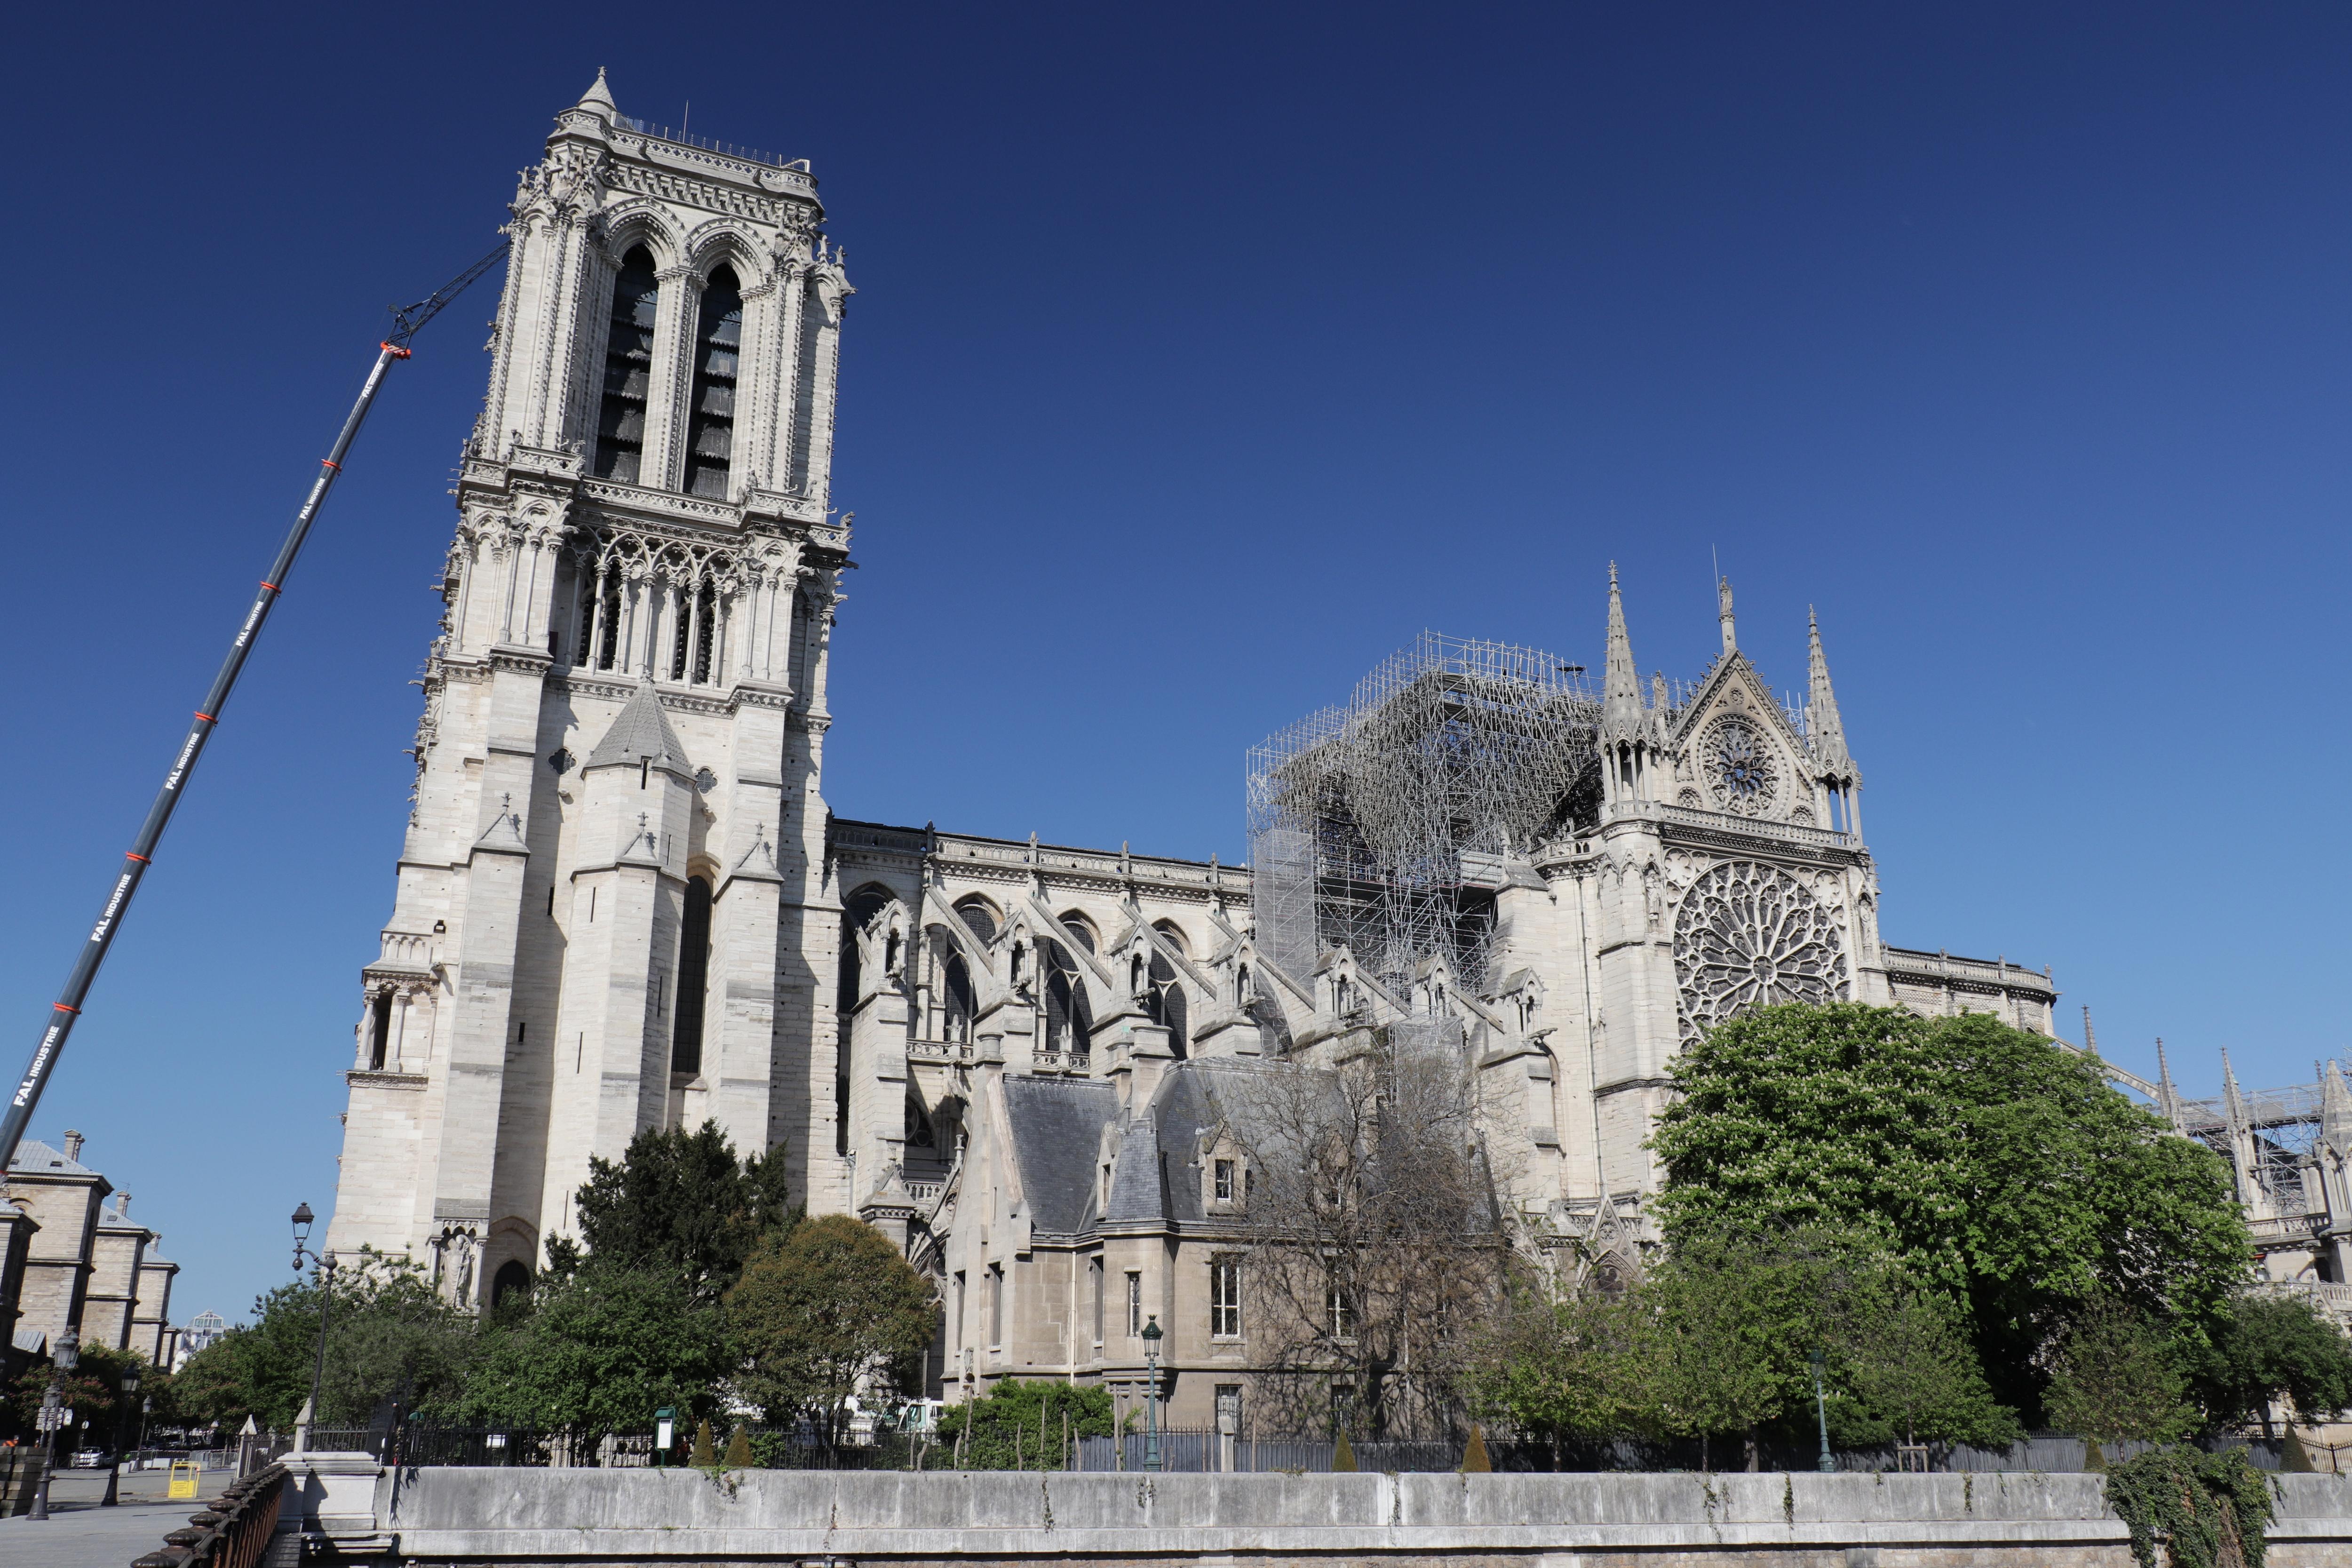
(629, 369)
(717, 339)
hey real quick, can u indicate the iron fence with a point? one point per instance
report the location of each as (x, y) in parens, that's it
(1201, 1449)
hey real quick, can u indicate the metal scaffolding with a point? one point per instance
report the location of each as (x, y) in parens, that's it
(1362, 817)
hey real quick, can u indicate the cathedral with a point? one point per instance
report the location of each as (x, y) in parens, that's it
(624, 901)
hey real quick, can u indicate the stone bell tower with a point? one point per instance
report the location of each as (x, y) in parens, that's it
(612, 911)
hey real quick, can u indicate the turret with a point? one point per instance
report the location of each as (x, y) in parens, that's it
(1626, 737)
(1837, 782)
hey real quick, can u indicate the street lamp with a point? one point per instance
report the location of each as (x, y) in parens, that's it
(55, 1413)
(303, 1254)
(121, 1419)
(1151, 1332)
(1822, 1412)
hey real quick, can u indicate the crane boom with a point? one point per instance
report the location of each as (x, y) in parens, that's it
(63, 1013)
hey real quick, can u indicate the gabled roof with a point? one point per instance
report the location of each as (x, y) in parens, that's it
(1055, 1125)
(641, 733)
(40, 1159)
(1137, 1192)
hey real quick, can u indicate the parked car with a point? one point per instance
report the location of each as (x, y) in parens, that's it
(88, 1459)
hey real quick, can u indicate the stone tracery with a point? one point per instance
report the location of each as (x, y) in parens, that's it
(1749, 935)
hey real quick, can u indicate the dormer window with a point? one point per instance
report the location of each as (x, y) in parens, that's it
(718, 345)
(629, 369)
(1223, 1180)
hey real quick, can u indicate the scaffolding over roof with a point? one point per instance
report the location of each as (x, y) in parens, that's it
(1368, 822)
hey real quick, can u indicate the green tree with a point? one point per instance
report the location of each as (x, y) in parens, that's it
(2274, 1348)
(1737, 1319)
(2000, 1171)
(1019, 1425)
(831, 1311)
(1568, 1366)
(600, 1350)
(92, 1390)
(2115, 1378)
(390, 1334)
(1902, 1368)
(679, 1203)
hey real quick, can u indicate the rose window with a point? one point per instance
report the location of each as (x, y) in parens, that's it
(1749, 935)
(1739, 767)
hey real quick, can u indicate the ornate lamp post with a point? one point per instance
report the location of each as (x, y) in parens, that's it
(56, 1414)
(1151, 1332)
(121, 1420)
(303, 1254)
(1822, 1412)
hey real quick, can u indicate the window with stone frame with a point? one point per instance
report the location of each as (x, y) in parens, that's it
(710, 424)
(1134, 1305)
(1225, 1297)
(629, 369)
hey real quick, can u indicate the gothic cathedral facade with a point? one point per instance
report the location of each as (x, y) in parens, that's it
(624, 902)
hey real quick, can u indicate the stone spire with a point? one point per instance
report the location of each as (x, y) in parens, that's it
(1621, 696)
(2090, 1035)
(1723, 611)
(1830, 754)
(641, 733)
(2336, 1109)
(598, 98)
(2168, 1097)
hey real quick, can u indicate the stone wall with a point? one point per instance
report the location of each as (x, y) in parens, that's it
(517, 1516)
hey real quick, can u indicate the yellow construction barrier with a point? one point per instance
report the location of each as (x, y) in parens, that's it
(186, 1476)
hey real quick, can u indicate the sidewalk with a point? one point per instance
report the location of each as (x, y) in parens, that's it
(80, 1534)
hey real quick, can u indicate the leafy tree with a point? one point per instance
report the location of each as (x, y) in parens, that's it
(1569, 1367)
(600, 1350)
(1019, 1425)
(1904, 1368)
(1737, 1317)
(2002, 1173)
(92, 1390)
(2273, 1348)
(679, 1203)
(831, 1311)
(2116, 1379)
(390, 1334)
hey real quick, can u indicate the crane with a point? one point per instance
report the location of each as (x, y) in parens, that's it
(408, 320)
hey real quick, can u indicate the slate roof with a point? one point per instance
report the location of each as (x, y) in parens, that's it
(32, 1154)
(641, 731)
(1056, 1126)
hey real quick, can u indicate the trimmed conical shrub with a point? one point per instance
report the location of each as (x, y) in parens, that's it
(739, 1452)
(703, 1458)
(1343, 1455)
(1474, 1457)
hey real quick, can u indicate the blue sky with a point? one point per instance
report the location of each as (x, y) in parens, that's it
(1202, 356)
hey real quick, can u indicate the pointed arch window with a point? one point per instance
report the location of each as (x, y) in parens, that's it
(1163, 1001)
(628, 370)
(1069, 1019)
(959, 1003)
(693, 978)
(718, 345)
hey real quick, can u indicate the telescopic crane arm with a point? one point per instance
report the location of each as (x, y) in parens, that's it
(407, 321)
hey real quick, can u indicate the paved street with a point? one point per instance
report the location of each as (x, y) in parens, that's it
(80, 1534)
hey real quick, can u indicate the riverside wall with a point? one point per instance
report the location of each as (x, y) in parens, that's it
(516, 1517)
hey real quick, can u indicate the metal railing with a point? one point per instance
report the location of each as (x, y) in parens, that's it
(231, 1531)
(1196, 1449)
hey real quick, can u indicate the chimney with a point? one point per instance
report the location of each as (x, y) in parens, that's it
(73, 1145)
(121, 1206)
